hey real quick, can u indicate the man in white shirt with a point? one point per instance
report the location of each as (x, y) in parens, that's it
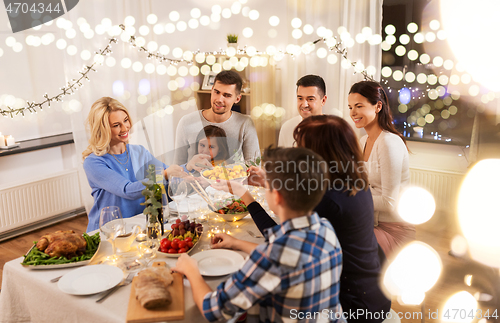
(242, 137)
(311, 97)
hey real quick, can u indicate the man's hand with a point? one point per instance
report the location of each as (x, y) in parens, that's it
(199, 159)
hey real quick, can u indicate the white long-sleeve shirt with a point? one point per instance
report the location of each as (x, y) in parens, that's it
(388, 174)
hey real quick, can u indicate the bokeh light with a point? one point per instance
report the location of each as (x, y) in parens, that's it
(415, 269)
(462, 301)
(411, 197)
(478, 211)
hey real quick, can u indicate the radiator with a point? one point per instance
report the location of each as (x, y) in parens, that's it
(443, 185)
(37, 201)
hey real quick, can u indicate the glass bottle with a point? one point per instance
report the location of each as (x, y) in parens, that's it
(154, 228)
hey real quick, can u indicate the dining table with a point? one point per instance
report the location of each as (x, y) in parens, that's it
(28, 295)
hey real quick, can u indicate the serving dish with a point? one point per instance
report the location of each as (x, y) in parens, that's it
(233, 172)
(60, 266)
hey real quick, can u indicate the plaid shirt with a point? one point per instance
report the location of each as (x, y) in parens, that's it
(292, 278)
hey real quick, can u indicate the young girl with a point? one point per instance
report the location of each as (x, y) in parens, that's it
(112, 165)
(212, 148)
(387, 161)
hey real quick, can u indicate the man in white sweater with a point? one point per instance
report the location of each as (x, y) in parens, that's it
(241, 134)
(311, 97)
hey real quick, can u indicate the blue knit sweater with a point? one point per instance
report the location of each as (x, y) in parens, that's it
(113, 185)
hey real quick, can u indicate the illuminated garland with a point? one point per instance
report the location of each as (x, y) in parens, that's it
(75, 84)
(70, 89)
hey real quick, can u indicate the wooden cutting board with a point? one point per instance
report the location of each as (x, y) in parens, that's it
(175, 311)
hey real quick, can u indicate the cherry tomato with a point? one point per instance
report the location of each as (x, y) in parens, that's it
(162, 249)
(188, 239)
(190, 244)
(182, 250)
(178, 221)
(167, 244)
(172, 250)
(176, 240)
(175, 244)
(163, 242)
(182, 244)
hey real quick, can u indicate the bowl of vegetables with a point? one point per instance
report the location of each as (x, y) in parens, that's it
(231, 209)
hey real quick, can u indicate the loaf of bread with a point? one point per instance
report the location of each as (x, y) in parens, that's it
(151, 287)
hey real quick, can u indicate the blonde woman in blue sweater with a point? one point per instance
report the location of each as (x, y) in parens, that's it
(114, 168)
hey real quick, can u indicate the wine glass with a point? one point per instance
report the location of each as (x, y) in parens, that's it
(177, 190)
(147, 250)
(111, 225)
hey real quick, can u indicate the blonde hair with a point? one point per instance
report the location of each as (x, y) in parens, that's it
(99, 127)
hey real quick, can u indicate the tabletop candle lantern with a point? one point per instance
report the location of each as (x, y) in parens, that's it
(7, 141)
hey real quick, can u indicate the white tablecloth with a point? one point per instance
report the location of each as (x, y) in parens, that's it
(28, 295)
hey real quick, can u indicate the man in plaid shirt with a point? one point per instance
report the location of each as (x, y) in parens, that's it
(294, 277)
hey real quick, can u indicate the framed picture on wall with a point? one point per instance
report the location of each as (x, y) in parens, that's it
(208, 81)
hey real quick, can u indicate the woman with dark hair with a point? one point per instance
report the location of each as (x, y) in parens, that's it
(212, 148)
(348, 206)
(386, 156)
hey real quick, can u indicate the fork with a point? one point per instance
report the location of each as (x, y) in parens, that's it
(55, 280)
(125, 282)
(253, 235)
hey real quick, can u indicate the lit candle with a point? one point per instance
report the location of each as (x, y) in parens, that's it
(10, 141)
(2, 140)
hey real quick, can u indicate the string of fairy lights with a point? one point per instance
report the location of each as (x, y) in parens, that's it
(333, 45)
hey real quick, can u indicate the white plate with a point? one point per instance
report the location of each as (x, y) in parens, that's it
(90, 280)
(218, 262)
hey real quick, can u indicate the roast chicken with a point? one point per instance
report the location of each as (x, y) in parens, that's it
(62, 243)
(151, 287)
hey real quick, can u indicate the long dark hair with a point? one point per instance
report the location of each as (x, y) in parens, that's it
(220, 136)
(333, 138)
(374, 93)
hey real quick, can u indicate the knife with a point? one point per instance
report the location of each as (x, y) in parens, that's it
(127, 281)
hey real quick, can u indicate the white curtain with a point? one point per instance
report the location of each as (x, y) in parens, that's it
(46, 68)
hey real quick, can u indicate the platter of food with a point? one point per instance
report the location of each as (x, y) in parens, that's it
(181, 239)
(62, 249)
(237, 172)
(231, 209)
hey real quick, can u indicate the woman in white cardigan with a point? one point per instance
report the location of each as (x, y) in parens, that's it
(387, 162)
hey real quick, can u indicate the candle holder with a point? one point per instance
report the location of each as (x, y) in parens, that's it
(7, 142)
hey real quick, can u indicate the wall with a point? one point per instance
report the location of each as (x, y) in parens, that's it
(37, 164)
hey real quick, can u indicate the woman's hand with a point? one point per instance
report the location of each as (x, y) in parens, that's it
(223, 241)
(185, 265)
(174, 170)
(199, 159)
(223, 185)
(256, 176)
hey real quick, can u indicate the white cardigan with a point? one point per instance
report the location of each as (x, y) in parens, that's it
(388, 174)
